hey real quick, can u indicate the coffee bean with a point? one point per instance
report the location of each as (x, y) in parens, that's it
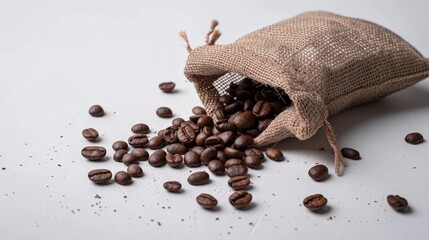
(177, 148)
(93, 153)
(129, 159)
(239, 182)
(221, 156)
(140, 153)
(119, 155)
(197, 110)
(118, 145)
(233, 116)
(248, 105)
(227, 137)
(397, 202)
(318, 173)
(242, 142)
(207, 130)
(172, 186)
(233, 107)
(138, 140)
(253, 161)
(254, 152)
(220, 114)
(135, 170)
(156, 142)
(206, 201)
(90, 134)
(199, 178)
(207, 155)
(274, 154)
(251, 132)
(224, 126)
(96, 111)
(164, 112)
(246, 120)
(315, 202)
(233, 153)
(205, 121)
(194, 118)
(177, 121)
(192, 159)
(262, 109)
(140, 128)
(186, 135)
(157, 158)
(414, 138)
(174, 160)
(236, 170)
(100, 176)
(240, 199)
(200, 140)
(233, 162)
(214, 142)
(226, 99)
(123, 178)
(350, 153)
(169, 135)
(167, 87)
(216, 166)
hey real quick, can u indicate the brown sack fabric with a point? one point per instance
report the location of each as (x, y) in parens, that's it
(325, 63)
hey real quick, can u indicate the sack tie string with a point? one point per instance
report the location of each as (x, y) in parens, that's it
(339, 161)
(211, 37)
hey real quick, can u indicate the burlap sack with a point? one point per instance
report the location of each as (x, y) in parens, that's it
(325, 62)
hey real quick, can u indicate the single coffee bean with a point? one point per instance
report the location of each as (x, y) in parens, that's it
(233, 162)
(200, 140)
(240, 199)
(119, 155)
(194, 118)
(232, 117)
(123, 178)
(204, 121)
(251, 132)
(156, 142)
(90, 134)
(140, 153)
(157, 158)
(169, 134)
(100, 176)
(233, 153)
(226, 99)
(233, 107)
(248, 105)
(414, 138)
(164, 112)
(397, 202)
(197, 110)
(225, 126)
(186, 135)
(96, 111)
(274, 154)
(138, 140)
(221, 156)
(242, 142)
(199, 178)
(177, 121)
(198, 149)
(140, 128)
(192, 159)
(315, 202)
(350, 153)
(253, 161)
(118, 145)
(206, 201)
(262, 109)
(236, 170)
(239, 182)
(177, 148)
(227, 137)
(135, 170)
(129, 159)
(246, 84)
(174, 160)
(318, 173)
(214, 142)
(207, 155)
(167, 87)
(93, 153)
(172, 186)
(255, 152)
(216, 166)
(207, 130)
(246, 120)
(220, 114)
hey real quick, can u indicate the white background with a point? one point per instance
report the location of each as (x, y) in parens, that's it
(57, 58)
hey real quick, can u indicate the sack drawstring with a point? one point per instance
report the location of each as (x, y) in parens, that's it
(211, 37)
(339, 161)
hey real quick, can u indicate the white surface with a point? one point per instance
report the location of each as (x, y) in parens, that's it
(59, 57)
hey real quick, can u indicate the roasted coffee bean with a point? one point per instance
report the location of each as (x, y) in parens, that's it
(193, 125)
(173, 186)
(177, 148)
(170, 135)
(240, 199)
(194, 118)
(239, 182)
(167, 87)
(199, 178)
(220, 114)
(123, 178)
(135, 170)
(254, 151)
(138, 140)
(263, 124)
(232, 117)
(200, 140)
(414, 138)
(233, 162)
(315, 202)
(253, 161)
(227, 137)
(129, 159)
(216, 166)
(243, 94)
(246, 120)
(156, 142)
(242, 142)
(233, 107)
(186, 135)
(248, 105)
(192, 159)
(214, 142)
(206, 201)
(93, 153)
(226, 99)
(276, 108)
(207, 155)
(174, 160)
(90, 134)
(118, 145)
(245, 84)
(221, 156)
(262, 109)
(197, 110)
(204, 121)
(164, 112)
(274, 154)
(215, 132)
(233, 153)
(140, 153)
(397, 202)
(350, 153)
(198, 149)
(177, 121)
(157, 158)
(236, 170)
(224, 126)
(318, 173)
(96, 111)
(100, 176)
(140, 128)
(251, 132)
(207, 130)
(119, 155)
(268, 94)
